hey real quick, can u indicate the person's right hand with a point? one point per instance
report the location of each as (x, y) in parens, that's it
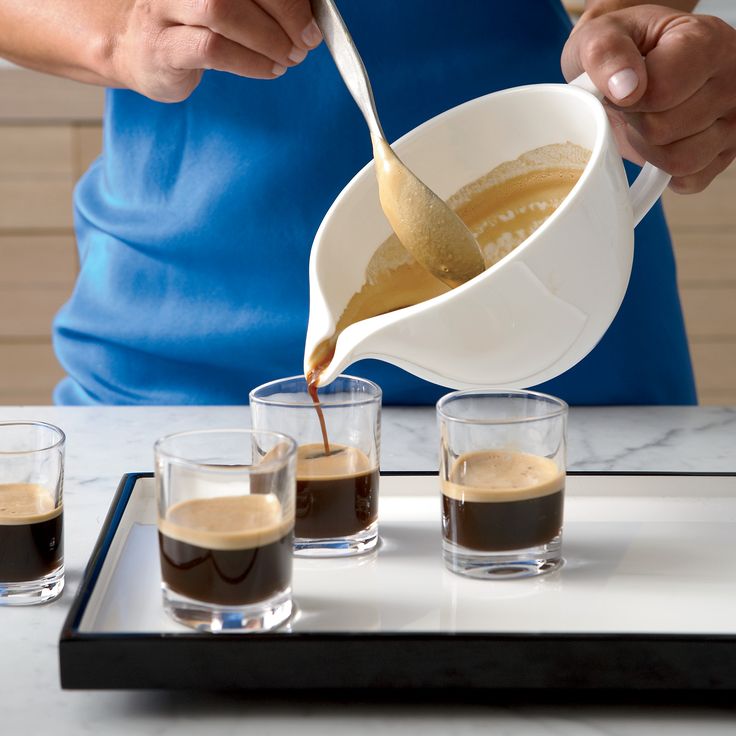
(161, 47)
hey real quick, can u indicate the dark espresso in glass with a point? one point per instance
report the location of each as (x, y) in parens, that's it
(31, 545)
(230, 551)
(497, 500)
(336, 493)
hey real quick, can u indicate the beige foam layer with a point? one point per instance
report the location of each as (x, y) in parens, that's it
(26, 503)
(504, 207)
(227, 522)
(553, 157)
(349, 462)
(496, 476)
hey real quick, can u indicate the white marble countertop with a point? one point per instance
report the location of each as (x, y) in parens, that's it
(104, 443)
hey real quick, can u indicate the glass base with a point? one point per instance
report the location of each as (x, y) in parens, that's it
(504, 565)
(355, 544)
(212, 618)
(33, 592)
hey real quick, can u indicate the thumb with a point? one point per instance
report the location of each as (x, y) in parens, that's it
(606, 48)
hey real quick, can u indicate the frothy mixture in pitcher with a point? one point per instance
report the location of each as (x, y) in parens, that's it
(432, 232)
(501, 209)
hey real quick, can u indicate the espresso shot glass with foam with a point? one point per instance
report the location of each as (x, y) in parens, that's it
(502, 480)
(226, 528)
(31, 512)
(337, 460)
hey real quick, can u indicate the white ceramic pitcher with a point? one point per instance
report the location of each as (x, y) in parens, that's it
(535, 313)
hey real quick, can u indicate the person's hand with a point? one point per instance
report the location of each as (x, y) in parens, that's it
(670, 83)
(160, 47)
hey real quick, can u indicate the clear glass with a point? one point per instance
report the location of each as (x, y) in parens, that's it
(31, 513)
(226, 528)
(337, 496)
(502, 478)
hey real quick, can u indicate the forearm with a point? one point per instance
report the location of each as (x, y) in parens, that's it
(70, 38)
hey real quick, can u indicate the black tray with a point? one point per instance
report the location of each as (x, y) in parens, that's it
(645, 601)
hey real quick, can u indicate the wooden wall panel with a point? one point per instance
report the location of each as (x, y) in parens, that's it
(713, 209)
(726, 397)
(28, 373)
(715, 365)
(710, 312)
(704, 236)
(30, 261)
(87, 145)
(27, 96)
(35, 151)
(706, 258)
(28, 205)
(36, 178)
(49, 133)
(28, 312)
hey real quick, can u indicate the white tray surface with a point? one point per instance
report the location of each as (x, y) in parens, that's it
(644, 554)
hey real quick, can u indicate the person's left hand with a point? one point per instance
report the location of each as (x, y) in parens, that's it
(670, 83)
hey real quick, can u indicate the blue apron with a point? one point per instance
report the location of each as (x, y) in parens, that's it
(195, 225)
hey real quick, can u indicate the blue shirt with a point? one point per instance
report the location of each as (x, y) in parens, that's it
(195, 224)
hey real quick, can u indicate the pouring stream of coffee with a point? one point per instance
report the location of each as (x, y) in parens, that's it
(312, 379)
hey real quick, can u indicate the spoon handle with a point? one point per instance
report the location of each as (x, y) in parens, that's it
(347, 59)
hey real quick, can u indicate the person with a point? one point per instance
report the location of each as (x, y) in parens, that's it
(228, 133)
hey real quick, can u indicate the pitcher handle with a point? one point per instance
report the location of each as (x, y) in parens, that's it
(651, 182)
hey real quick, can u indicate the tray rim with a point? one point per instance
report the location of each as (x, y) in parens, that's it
(82, 654)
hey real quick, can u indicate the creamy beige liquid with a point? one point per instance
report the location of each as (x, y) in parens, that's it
(343, 462)
(26, 503)
(227, 522)
(436, 237)
(501, 476)
(501, 209)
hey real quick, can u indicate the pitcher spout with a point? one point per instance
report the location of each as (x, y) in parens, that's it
(327, 358)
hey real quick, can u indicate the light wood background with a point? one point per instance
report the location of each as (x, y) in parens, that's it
(50, 132)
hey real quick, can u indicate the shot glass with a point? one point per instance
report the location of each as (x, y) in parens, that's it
(502, 477)
(31, 513)
(226, 528)
(337, 473)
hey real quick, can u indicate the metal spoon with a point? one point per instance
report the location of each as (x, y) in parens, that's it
(437, 238)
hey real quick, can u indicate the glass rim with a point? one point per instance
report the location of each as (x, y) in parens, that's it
(262, 467)
(372, 398)
(59, 442)
(560, 406)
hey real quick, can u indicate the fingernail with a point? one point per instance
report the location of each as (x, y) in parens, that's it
(297, 55)
(623, 83)
(278, 70)
(311, 35)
